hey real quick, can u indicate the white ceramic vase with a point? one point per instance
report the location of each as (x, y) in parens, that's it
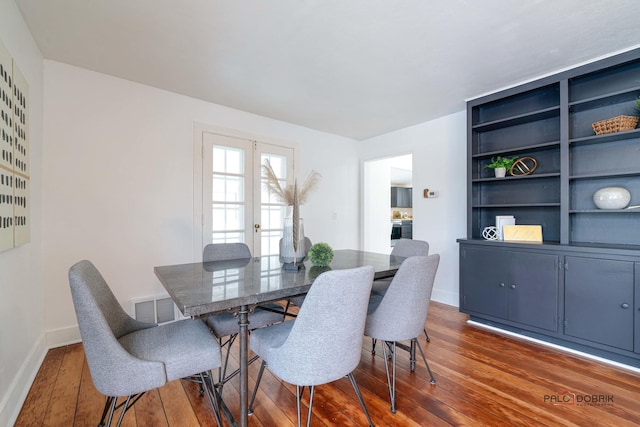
(611, 198)
(500, 172)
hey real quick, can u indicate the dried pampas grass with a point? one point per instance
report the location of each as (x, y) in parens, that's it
(290, 194)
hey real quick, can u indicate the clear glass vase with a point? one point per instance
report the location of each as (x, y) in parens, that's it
(288, 254)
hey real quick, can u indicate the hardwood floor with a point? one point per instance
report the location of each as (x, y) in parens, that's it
(482, 379)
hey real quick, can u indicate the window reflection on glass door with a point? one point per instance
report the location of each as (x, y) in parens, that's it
(236, 206)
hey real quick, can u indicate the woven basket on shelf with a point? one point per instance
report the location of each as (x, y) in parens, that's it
(615, 124)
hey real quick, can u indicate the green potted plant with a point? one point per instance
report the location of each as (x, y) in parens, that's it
(320, 254)
(500, 165)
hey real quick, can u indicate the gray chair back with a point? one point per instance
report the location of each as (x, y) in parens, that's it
(225, 251)
(409, 247)
(402, 312)
(102, 321)
(325, 342)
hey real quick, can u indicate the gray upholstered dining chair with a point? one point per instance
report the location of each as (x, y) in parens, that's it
(320, 345)
(401, 313)
(127, 357)
(403, 248)
(225, 325)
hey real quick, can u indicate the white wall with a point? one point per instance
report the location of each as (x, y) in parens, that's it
(439, 158)
(376, 226)
(118, 183)
(21, 294)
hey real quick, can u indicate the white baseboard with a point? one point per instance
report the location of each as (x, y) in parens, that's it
(19, 388)
(446, 297)
(63, 336)
(21, 384)
(555, 346)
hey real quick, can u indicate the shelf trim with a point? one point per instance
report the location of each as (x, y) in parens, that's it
(545, 113)
(603, 211)
(603, 97)
(605, 175)
(610, 137)
(517, 205)
(513, 178)
(532, 147)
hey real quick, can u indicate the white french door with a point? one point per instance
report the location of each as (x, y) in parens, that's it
(235, 205)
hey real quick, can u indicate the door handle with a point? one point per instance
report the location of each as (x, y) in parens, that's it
(624, 305)
(256, 227)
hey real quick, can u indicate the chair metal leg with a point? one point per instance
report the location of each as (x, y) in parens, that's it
(255, 390)
(391, 378)
(432, 379)
(298, 396)
(286, 311)
(426, 335)
(412, 355)
(222, 371)
(109, 407)
(311, 390)
(124, 409)
(359, 395)
(223, 378)
(390, 348)
(212, 394)
(373, 346)
(299, 392)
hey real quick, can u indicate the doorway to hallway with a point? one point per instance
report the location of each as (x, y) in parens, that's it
(380, 175)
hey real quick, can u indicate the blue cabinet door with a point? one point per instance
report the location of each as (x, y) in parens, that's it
(485, 274)
(599, 301)
(533, 290)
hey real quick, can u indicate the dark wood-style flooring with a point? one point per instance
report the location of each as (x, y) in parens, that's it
(483, 378)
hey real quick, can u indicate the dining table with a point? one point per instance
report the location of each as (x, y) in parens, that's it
(201, 289)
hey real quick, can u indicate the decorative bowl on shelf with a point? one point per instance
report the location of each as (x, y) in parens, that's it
(611, 198)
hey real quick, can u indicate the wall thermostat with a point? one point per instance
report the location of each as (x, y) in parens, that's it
(430, 194)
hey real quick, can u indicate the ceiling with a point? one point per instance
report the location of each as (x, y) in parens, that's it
(357, 68)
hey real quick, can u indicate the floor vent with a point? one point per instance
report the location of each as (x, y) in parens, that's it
(156, 310)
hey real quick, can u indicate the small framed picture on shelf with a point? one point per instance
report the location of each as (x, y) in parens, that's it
(501, 221)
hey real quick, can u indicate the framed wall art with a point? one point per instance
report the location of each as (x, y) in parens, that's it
(14, 154)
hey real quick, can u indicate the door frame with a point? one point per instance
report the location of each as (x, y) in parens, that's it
(198, 130)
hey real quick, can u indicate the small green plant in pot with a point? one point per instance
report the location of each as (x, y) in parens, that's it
(501, 165)
(320, 254)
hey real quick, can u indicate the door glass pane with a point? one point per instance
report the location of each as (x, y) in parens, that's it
(235, 206)
(228, 198)
(272, 210)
